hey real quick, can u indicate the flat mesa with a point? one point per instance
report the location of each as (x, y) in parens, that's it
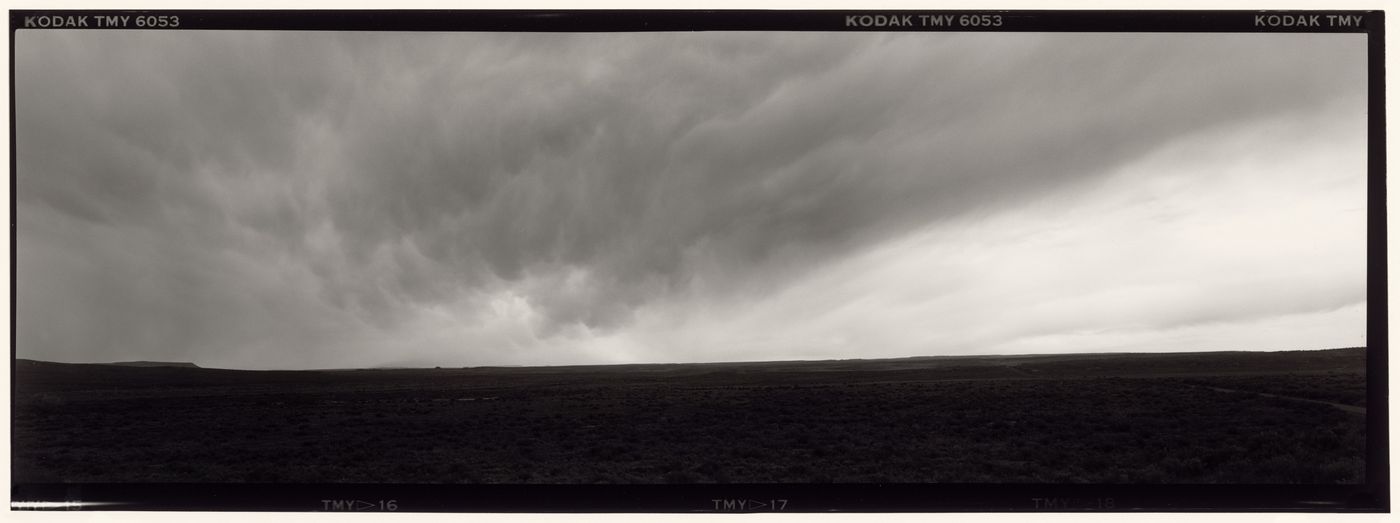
(183, 364)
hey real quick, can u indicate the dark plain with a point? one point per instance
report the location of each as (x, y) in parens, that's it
(1224, 417)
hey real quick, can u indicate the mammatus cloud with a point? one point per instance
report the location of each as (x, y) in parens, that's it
(267, 199)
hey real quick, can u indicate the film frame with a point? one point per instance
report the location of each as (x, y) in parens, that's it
(1369, 497)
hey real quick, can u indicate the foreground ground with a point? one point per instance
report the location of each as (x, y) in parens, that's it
(1285, 417)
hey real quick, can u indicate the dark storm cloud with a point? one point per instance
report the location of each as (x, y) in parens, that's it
(618, 157)
(225, 189)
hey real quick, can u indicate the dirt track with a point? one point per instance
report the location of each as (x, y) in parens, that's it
(1349, 408)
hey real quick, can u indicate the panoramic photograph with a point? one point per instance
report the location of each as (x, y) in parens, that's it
(698, 257)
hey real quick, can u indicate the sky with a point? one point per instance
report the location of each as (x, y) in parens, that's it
(273, 200)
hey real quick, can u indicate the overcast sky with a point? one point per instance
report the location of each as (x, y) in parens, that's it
(312, 200)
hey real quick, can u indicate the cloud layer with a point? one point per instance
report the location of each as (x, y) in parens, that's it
(267, 199)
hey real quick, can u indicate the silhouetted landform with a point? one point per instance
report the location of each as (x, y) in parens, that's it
(156, 364)
(1217, 417)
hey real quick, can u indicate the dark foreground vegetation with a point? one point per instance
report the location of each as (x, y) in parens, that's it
(1177, 418)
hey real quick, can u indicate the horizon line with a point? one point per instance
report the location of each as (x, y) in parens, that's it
(178, 364)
